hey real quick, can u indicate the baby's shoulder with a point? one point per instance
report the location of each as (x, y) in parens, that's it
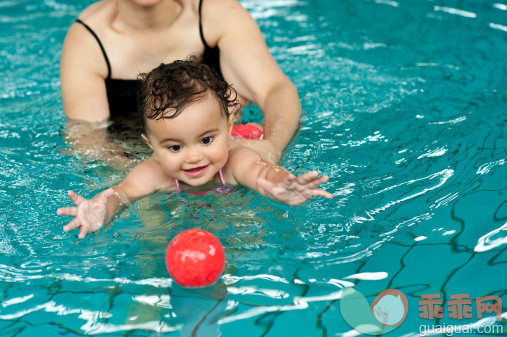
(241, 153)
(240, 158)
(150, 172)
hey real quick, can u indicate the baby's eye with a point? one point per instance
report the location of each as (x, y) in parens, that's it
(174, 148)
(207, 140)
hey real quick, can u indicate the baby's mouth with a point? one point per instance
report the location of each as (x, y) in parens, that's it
(196, 171)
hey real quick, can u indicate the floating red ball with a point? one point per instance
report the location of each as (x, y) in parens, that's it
(195, 258)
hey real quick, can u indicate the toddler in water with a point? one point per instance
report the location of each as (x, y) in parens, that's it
(187, 122)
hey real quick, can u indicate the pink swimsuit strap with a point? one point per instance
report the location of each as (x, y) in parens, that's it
(177, 186)
(204, 192)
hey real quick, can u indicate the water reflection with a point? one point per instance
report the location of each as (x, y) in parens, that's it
(404, 109)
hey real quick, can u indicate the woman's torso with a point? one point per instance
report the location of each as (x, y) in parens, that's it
(127, 52)
(132, 51)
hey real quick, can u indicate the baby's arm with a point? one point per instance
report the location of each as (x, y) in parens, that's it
(91, 214)
(272, 181)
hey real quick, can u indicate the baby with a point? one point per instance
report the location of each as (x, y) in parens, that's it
(187, 115)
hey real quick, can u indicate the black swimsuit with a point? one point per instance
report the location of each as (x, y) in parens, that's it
(122, 93)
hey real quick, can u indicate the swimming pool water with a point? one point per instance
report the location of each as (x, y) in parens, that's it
(405, 106)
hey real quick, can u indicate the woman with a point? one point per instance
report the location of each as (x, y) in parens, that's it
(115, 40)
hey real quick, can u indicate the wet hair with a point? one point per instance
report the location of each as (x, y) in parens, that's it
(168, 89)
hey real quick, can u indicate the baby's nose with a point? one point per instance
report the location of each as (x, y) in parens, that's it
(194, 155)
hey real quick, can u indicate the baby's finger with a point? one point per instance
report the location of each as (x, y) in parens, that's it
(82, 232)
(265, 184)
(105, 195)
(72, 225)
(307, 177)
(321, 193)
(76, 198)
(318, 181)
(71, 211)
(289, 180)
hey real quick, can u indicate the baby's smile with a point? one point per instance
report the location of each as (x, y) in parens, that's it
(196, 171)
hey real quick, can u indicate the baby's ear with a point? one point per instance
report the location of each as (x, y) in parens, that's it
(230, 123)
(147, 140)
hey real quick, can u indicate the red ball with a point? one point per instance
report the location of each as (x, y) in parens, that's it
(195, 258)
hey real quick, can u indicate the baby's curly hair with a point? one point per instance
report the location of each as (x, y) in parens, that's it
(168, 89)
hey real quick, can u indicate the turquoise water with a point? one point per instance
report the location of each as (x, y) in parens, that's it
(405, 104)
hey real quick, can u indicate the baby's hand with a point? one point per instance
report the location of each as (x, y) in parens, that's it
(89, 215)
(296, 190)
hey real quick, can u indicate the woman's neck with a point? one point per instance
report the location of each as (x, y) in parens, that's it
(132, 16)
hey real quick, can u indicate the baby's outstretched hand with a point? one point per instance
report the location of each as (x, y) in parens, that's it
(295, 191)
(89, 214)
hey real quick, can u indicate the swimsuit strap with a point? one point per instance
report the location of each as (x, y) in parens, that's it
(100, 45)
(177, 185)
(200, 26)
(220, 188)
(222, 178)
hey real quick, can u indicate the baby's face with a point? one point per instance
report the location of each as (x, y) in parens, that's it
(193, 146)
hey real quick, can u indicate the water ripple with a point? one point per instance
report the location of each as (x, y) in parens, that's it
(404, 108)
(486, 242)
(456, 11)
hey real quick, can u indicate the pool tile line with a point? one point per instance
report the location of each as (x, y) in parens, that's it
(496, 217)
(54, 288)
(306, 289)
(196, 328)
(5, 290)
(276, 314)
(114, 292)
(225, 313)
(402, 265)
(319, 323)
(19, 330)
(18, 320)
(270, 321)
(491, 261)
(454, 238)
(449, 277)
(63, 327)
(13, 323)
(358, 271)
